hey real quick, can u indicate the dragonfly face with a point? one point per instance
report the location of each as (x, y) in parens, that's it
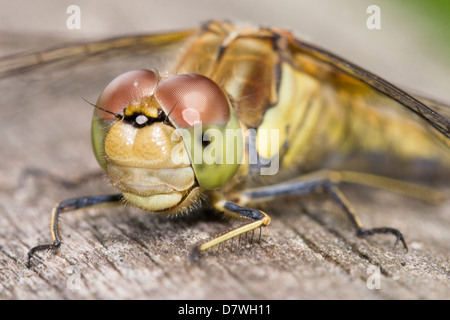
(150, 136)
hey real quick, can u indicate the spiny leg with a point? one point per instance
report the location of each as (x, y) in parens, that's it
(339, 198)
(65, 206)
(308, 183)
(327, 180)
(255, 219)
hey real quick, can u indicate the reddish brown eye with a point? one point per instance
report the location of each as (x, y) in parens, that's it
(189, 98)
(124, 89)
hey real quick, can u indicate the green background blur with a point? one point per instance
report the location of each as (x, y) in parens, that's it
(435, 14)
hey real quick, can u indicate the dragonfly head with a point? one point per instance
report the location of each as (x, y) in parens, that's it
(162, 140)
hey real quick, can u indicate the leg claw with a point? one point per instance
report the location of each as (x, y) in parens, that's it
(399, 236)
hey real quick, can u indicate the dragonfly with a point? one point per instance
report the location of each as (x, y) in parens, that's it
(233, 114)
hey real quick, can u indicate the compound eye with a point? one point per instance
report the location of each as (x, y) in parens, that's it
(191, 99)
(204, 116)
(118, 95)
(125, 89)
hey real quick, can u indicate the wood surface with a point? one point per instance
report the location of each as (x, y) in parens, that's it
(309, 251)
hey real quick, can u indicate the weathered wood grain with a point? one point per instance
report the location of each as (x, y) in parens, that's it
(126, 253)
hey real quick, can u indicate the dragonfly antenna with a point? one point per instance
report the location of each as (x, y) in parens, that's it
(117, 115)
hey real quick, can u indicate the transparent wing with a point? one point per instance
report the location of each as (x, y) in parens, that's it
(439, 107)
(138, 44)
(438, 121)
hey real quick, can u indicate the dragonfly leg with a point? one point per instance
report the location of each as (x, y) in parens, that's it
(327, 180)
(339, 198)
(254, 219)
(65, 206)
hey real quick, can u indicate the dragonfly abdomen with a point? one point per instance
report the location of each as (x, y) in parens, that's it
(320, 125)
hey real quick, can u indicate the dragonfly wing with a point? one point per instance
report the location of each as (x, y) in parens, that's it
(139, 44)
(441, 108)
(428, 114)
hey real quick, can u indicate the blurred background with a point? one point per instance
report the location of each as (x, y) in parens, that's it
(411, 48)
